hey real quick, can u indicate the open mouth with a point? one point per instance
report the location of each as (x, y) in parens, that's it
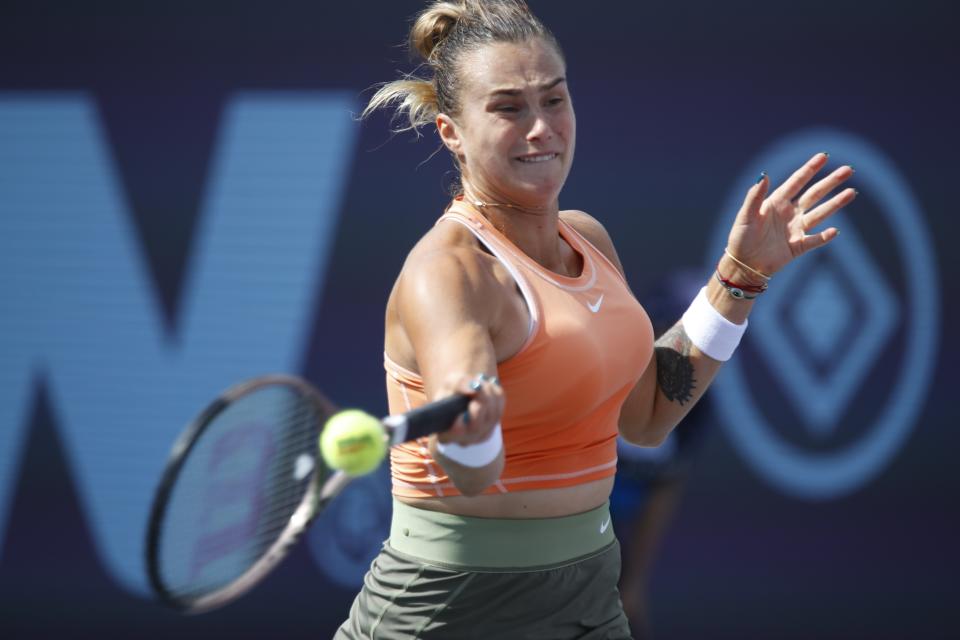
(540, 157)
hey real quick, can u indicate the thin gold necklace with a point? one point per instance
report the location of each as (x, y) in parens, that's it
(480, 204)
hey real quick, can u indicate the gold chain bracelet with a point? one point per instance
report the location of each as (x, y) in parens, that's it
(746, 266)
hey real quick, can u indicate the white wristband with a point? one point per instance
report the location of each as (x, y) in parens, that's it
(474, 455)
(713, 334)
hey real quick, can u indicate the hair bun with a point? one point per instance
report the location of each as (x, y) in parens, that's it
(434, 25)
(442, 34)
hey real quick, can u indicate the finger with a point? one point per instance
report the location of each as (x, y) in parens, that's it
(489, 412)
(817, 240)
(474, 414)
(814, 218)
(483, 411)
(455, 433)
(473, 384)
(461, 425)
(501, 401)
(795, 183)
(819, 191)
(466, 423)
(754, 199)
(478, 421)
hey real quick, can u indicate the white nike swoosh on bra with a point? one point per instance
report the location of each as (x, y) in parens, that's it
(604, 525)
(595, 307)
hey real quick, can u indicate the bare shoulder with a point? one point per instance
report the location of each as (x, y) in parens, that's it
(446, 271)
(591, 229)
(587, 225)
(440, 287)
(447, 252)
(452, 292)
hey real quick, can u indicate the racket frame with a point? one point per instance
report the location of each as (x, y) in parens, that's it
(300, 519)
(426, 420)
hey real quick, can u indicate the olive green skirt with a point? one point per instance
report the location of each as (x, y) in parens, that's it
(444, 576)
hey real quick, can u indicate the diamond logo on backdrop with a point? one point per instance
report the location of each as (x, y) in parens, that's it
(819, 331)
(820, 313)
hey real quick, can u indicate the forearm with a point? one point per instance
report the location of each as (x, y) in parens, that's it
(677, 377)
(679, 372)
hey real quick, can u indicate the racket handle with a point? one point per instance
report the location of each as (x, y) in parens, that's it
(426, 420)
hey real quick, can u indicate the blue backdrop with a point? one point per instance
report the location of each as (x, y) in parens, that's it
(186, 200)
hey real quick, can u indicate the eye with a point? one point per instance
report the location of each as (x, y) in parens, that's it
(554, 101)
(506, 108)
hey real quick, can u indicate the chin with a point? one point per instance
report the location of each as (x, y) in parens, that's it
(539, 194)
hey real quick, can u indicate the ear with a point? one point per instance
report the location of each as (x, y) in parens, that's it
(449, 134)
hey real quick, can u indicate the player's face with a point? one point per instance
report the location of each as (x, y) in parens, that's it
(516, 131)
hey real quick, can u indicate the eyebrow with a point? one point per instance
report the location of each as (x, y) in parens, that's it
(515, 92)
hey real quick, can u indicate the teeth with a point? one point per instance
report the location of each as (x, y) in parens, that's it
(543, 158)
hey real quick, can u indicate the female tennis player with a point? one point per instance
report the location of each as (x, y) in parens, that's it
(501, 527)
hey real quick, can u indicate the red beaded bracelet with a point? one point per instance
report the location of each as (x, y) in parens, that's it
(739, 291)
(752, 288)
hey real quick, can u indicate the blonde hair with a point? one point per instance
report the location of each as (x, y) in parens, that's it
(441, 34)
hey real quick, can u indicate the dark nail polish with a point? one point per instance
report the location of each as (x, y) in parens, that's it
(466, 417)
(825, 154)
(763, 174)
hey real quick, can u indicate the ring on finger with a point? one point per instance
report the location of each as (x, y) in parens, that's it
(494, 380)
(481, 378)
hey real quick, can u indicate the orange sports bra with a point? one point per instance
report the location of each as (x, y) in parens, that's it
(589, 342)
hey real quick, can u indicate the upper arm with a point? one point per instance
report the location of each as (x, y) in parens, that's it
(447, 304)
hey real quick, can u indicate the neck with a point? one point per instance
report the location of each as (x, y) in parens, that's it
(533, 229)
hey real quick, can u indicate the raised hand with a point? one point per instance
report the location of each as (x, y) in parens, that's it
(770, 231)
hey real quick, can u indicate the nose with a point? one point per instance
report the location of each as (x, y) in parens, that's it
(540, 128)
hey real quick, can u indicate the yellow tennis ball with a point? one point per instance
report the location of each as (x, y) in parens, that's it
(353, 440)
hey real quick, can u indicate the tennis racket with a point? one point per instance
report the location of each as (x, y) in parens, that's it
(245, 480)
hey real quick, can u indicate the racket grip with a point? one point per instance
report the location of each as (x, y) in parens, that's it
(429, 419)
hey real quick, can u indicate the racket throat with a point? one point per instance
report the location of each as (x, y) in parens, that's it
(398, 428)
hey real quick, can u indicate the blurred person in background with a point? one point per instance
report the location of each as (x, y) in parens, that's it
(650, 480)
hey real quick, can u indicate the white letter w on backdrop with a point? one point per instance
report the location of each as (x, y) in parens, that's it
(80, 311)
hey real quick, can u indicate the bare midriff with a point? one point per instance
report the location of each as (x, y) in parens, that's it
(541, 503)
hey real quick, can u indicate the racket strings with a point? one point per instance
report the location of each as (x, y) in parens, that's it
(245, 477)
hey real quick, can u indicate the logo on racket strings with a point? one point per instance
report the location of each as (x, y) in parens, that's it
(232, 503)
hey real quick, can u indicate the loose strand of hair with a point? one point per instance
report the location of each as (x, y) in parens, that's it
(413, 96)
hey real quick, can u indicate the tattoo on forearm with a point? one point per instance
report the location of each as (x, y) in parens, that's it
(674, 369)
